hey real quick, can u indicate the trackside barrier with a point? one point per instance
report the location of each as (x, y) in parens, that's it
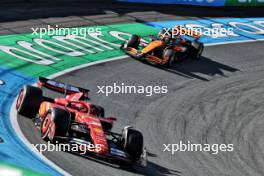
(189, 2)
(203, 2)
(244, 3)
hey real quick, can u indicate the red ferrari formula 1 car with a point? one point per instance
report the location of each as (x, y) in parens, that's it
(167, 48)
(75, 121)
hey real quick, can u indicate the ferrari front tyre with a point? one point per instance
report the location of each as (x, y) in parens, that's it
(28, 101)
(134, 42)
(55, 123)
(133, 142)
(169, 57)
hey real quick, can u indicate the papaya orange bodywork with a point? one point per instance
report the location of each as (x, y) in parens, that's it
(152, 46)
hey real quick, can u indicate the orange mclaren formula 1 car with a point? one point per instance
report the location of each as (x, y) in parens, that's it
(167, 48)
(73, 120)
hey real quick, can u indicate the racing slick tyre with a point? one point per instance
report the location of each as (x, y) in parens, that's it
(134, 41)
(55, 123)
(28, 101)
(133, 142)
(196, 50)
(169, 55)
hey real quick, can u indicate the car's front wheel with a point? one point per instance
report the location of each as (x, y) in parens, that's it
(55, 123)
(133, 142)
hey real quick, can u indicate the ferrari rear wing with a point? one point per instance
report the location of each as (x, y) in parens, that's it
(61, 87)
(186, 31)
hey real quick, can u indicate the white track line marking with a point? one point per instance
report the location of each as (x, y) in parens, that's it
(16, 127)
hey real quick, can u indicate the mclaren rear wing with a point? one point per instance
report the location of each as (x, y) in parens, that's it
(61, 87)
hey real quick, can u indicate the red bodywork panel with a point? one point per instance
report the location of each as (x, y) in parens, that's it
(83, 114)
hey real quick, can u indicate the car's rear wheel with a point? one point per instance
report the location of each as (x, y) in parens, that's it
(134, 41)
(28, 101)
(133, 142)
(55, 123)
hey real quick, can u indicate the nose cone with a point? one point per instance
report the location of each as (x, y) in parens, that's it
(99, 138)
(102, 149)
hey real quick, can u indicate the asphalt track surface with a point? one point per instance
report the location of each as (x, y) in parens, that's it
(218, 99)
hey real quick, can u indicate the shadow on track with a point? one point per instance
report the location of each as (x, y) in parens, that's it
(193, 68)
(151, 169)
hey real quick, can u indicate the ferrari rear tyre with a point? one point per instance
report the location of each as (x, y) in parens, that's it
(55, 123)
(134, 41)
(28, 101)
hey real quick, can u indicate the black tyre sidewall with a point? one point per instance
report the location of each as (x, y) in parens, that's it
(31, 101)
(62, 120)
(134, 41)
(196, 53)
(200, 51)
(134, 143)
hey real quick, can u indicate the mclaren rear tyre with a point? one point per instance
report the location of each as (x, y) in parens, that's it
(28, 101)
(134, 41)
